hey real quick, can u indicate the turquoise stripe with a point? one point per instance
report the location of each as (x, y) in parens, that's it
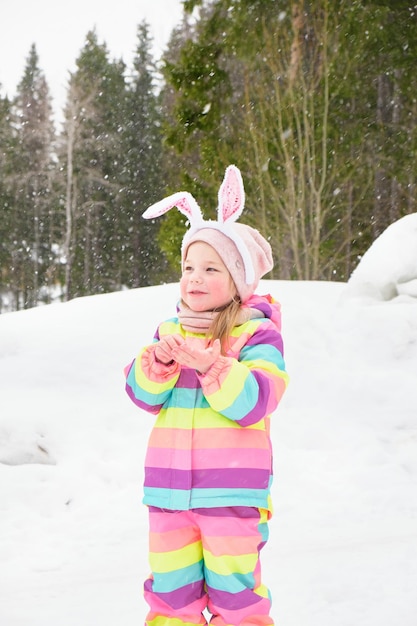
(173, 499)
(188, 398)
(176, 499)
(263, 352)
(150, 399)
(233, 583)
(264, 531)
(170, 581)
(244, 402)
(207, 498)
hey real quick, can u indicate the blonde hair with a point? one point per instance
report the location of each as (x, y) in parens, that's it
(223, 324)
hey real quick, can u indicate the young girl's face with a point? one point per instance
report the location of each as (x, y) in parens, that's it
(205, 282)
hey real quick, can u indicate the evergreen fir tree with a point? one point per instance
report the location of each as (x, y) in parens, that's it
(6, 203)
(91, 156)
(33, 204)
(143, 179)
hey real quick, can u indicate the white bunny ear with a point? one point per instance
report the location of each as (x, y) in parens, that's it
(183, 200)
(231, 195)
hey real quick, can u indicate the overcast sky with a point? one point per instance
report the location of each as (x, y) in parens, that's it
(59, 29)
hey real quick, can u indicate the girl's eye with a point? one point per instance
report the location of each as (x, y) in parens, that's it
(211, 269)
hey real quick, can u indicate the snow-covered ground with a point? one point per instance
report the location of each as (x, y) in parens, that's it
(343, 546)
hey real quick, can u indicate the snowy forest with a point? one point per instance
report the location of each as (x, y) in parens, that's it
(314, 101)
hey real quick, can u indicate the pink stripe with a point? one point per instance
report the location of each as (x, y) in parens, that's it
(178, 459)
(162, 520)
(244, 523)
(173, 540)
(210, 459)
(163, 438)
(209, 438)
(232, 546)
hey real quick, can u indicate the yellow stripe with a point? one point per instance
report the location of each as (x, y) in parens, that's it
(262, 591)
(247, 328)
(170, 328)
(162, 620)
(188, 419)
(180, 417)
(235, 382)
(176, 559)
(225, 565)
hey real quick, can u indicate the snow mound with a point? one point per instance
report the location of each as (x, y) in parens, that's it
(389, 268)
(20, 447)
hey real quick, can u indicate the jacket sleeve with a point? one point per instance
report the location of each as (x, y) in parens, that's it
(149, 383)
(248, 389)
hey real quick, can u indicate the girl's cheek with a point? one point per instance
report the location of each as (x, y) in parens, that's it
(217, 282)
(221, 285)
(183, 285)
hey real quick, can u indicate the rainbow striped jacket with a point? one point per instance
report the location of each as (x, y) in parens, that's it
(210, 445)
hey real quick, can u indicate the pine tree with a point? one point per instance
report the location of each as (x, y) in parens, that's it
(143, 179)
(33, 204)
(6, 203)
(390, 52)
(90, 154)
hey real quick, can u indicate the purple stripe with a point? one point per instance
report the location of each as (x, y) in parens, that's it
(265, 307)
(167, 478)
(238, 512)
(143, 405)
(268, 336)
(229, 478)
(259, 411)
(271, 310)
(233, 601)
(188, 379)
(181, 597)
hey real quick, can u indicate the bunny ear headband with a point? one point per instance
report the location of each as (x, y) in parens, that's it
(231, 200)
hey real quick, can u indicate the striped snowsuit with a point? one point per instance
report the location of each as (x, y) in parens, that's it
(208, 473)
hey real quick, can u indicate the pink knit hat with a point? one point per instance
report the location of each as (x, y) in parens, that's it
(244, 251)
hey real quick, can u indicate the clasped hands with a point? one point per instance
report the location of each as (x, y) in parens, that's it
(175, 348)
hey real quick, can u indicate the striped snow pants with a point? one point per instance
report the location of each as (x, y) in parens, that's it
(207, 560)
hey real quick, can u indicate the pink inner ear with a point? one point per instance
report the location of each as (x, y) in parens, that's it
(184, 207)
(231, 195)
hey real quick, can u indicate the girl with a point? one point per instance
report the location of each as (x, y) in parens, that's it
(213, 375)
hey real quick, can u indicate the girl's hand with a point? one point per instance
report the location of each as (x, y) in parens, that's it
(164, 347)
(200, 359)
